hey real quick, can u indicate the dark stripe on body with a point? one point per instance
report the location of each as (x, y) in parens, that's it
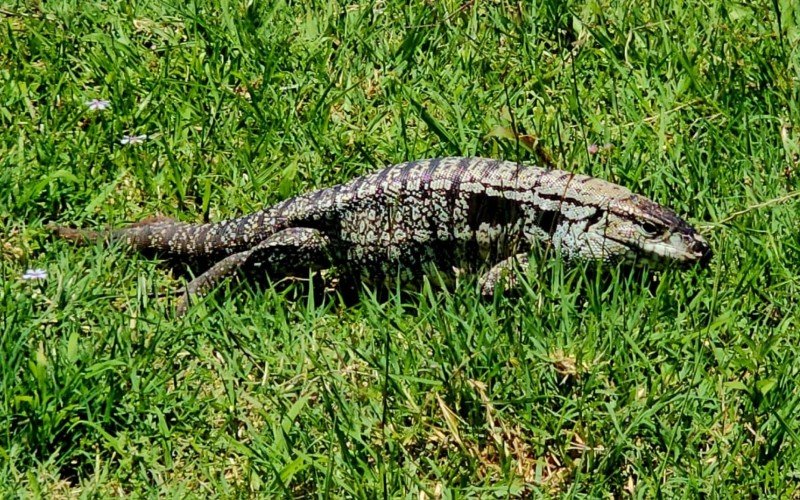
(455, 192)
(548, 220)
(427, 174)
(355, 186)
(428, 200)
(405, 171)
(492, 210)
(489, 166)
(379, 180)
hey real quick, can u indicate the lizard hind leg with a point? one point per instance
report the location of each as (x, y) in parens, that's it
(290, 251)
(285, 253)
(201, 285)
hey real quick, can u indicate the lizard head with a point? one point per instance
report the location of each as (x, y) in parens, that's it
(637, 230)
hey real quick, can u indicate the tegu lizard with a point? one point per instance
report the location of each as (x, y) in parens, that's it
(468, 213)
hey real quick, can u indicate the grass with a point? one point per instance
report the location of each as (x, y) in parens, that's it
(585, 387)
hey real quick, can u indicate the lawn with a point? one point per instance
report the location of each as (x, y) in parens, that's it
(595, 382)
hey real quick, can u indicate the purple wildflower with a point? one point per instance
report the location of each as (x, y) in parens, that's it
(98, 104)
(133, 139)
(35, 274)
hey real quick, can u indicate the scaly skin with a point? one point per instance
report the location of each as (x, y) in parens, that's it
(448, 212)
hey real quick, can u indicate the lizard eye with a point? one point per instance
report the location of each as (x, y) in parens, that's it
(650, 229)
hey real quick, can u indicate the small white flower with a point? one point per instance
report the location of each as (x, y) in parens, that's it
(35, 274)
(133, 139)
(98, 104)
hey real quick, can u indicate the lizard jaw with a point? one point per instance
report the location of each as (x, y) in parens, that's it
(687, 250)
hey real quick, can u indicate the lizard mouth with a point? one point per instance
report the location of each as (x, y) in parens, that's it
(686, 251)
(692, 253)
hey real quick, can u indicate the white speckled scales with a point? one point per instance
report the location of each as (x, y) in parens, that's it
(441, 209)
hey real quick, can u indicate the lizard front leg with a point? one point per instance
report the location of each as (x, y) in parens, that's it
(504, 272)
(284, 253)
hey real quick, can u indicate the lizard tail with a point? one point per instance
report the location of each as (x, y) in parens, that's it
(139, 236)
(79, 236)
(169, 237)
